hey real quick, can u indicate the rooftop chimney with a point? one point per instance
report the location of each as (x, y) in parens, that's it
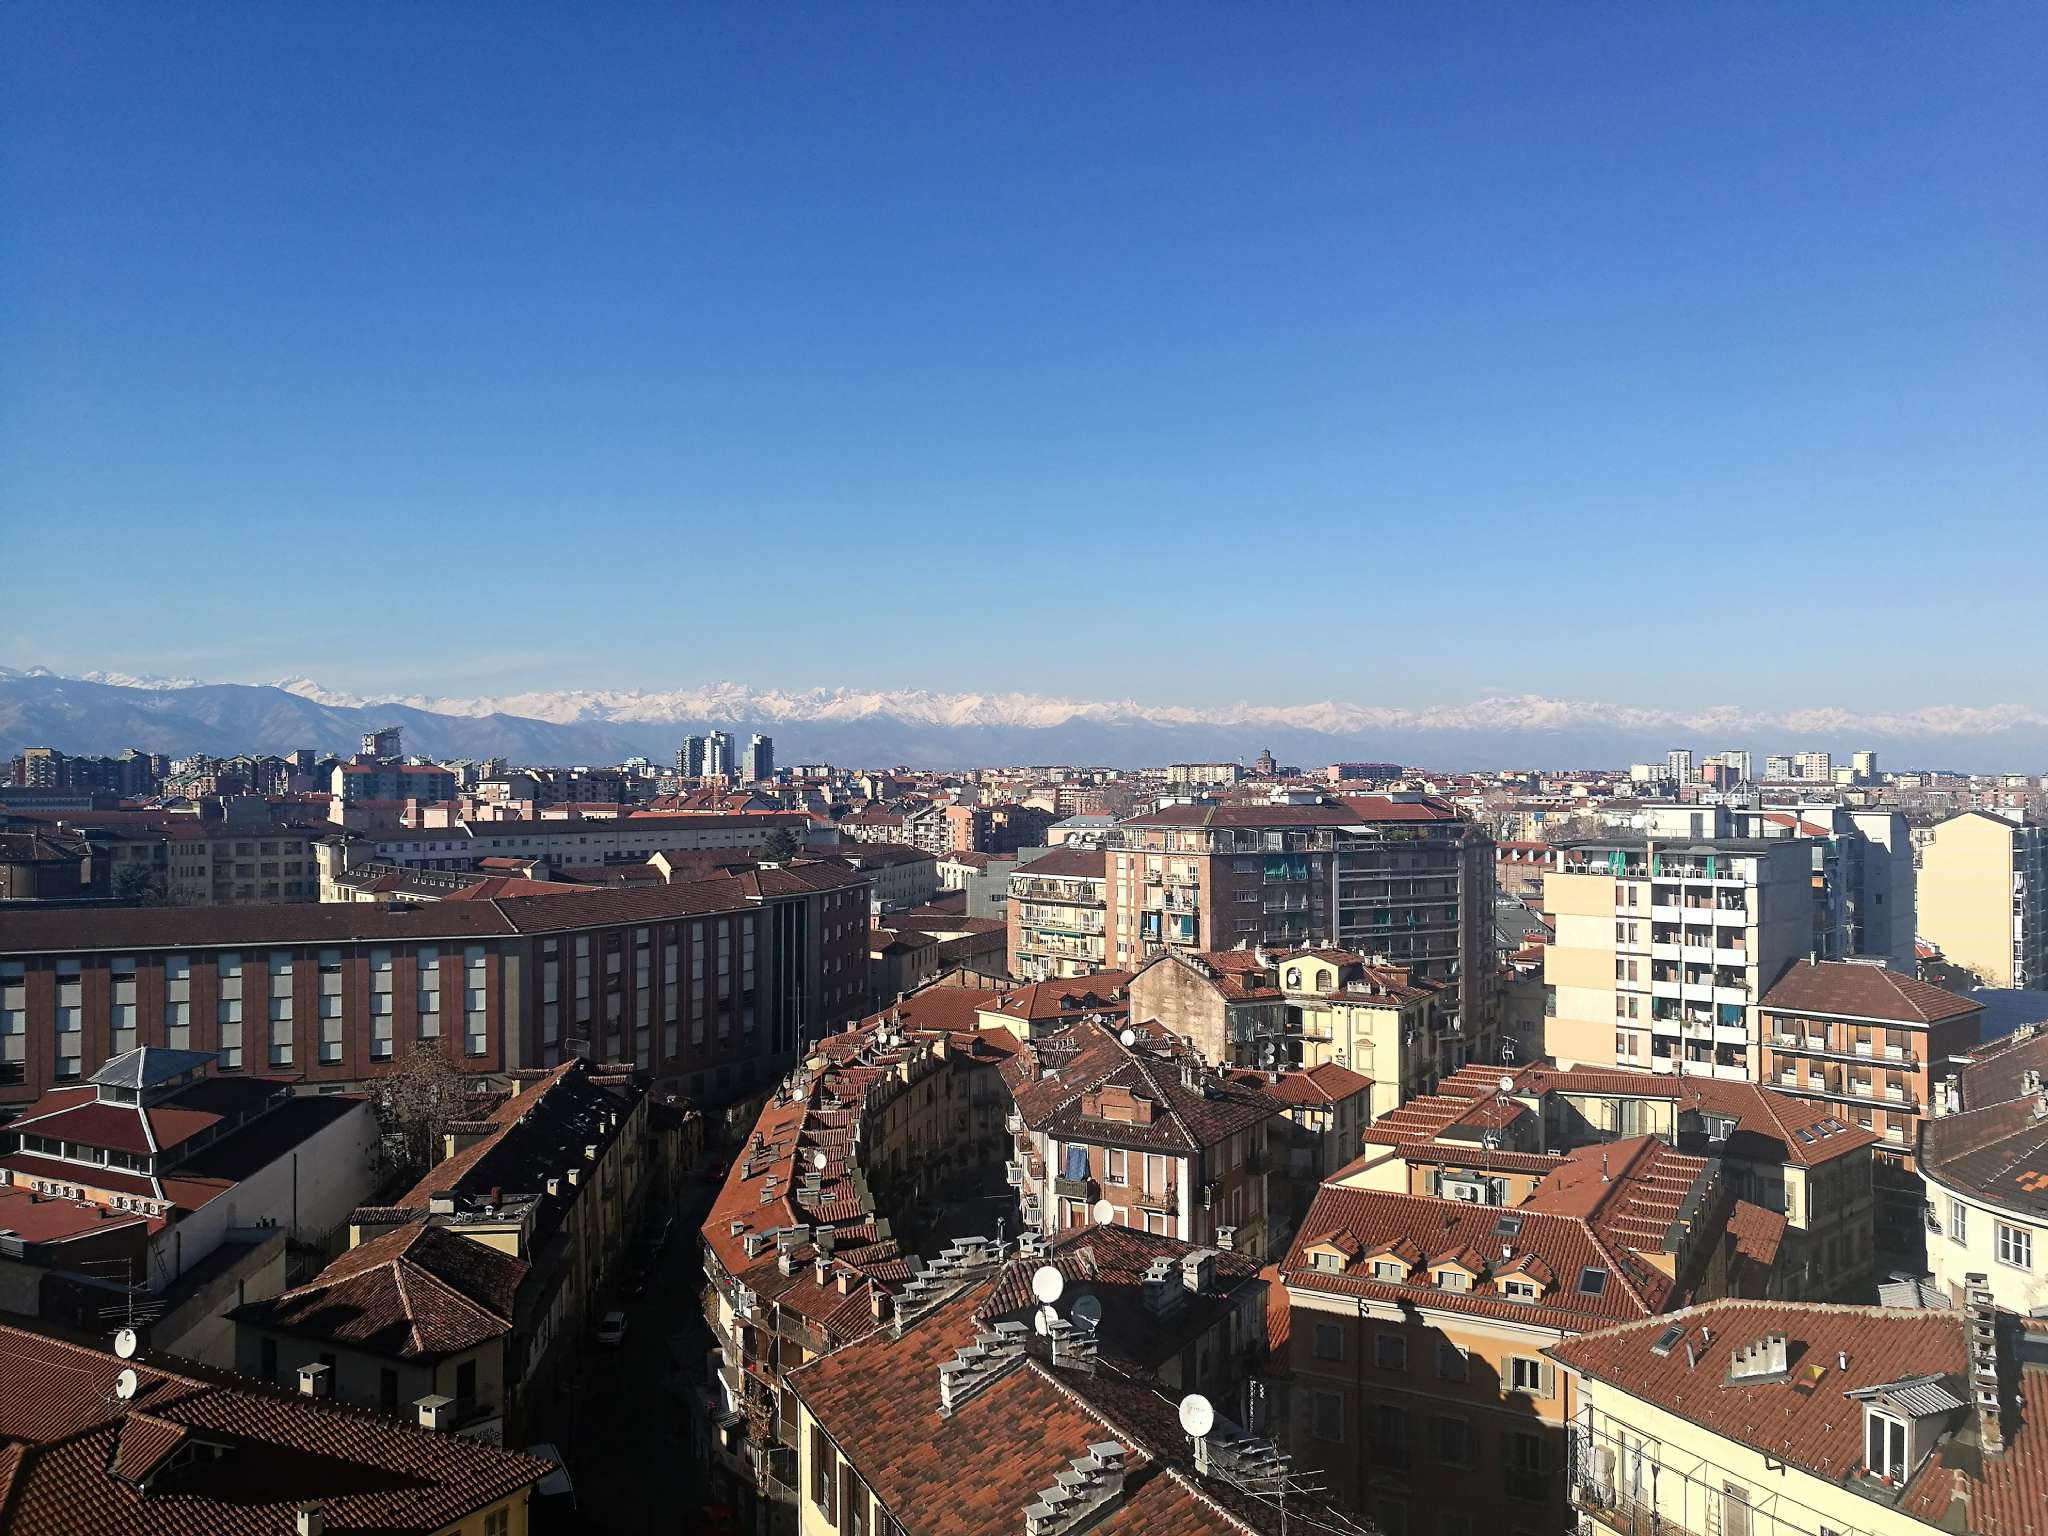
(1766, 1359)
(316, 1379)
(435, 1411)
(1981, 1338)
(310, 1520)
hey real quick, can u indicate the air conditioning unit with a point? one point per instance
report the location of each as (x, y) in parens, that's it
(1471, 1190)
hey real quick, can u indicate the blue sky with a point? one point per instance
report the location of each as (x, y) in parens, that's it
(1395, 354)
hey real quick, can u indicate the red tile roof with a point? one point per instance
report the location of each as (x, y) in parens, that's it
(419, 1293)
(1802, 1420)
(76, 1449)
(1846, 989)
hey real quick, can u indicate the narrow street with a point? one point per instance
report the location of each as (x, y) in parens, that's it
(628, 1447)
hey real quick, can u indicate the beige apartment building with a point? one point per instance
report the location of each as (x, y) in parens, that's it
(1984, 897)
(1665, 946)
(1056, 915)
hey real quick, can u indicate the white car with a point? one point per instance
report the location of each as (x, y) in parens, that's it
(612, 1329)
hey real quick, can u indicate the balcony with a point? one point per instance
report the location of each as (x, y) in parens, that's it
(1624, 1516)
(1074, 1189)
(1167, 1199)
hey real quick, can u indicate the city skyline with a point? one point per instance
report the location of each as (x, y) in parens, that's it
(1366, 311)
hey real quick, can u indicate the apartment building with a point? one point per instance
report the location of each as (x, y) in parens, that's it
(1665, 946)
(1744, 1416)
(1400, 878)
(1122, 1127)
(710, 986)
(1871, 1046)
(1984, 897)
(981, 1408)
(1417, 1328)
(559, 843)
(1307, 1008)
(1786, 1161)
(1057, 914)
(799, 1250)
(1983, 1155)
(476, 1285)
(351, 782)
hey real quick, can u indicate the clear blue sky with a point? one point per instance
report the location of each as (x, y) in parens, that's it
(1386, 353)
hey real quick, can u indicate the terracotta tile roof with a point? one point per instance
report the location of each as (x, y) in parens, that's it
(1844, 989)
(1631, 1191)
(1109, 1263)
(1992, 1072)
(1758, 1234)
(1086, 1057)
(1566, 1245)
(1319, 1086)
(421, 1292)
(1999, 1152)
(1065, 997)
(1801, 1420)
(76, 1451)
(973, 1471)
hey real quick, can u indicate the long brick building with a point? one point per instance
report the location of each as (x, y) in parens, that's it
(710, 985)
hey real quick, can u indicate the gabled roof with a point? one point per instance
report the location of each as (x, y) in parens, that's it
(1846, 989)
(79, 1458)
(421, 1292)
(1086, 1057)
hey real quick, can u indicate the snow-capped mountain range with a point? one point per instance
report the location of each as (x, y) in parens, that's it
(105, 711)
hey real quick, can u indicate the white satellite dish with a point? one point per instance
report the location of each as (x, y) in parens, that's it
(1104, 1213)
(1048, 1284)
(125, 1385)
(1129, 1037)
(125, 1343)
(1197, 1417)
(1041, 1320)
(1507, 1084)
(818, 1161)
(1087, 1310)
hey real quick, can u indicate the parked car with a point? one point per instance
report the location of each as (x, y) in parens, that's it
(611, 1329)
(557, 1486)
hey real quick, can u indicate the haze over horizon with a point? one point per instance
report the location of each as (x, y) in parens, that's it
(1402, 357)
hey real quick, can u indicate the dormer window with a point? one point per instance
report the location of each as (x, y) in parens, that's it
(1518, 1290)
(1390, 1269)
(1453, 1280)
(1330, 1263)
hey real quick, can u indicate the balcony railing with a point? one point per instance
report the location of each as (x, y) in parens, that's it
(1166, 1199)
(1625, 1515)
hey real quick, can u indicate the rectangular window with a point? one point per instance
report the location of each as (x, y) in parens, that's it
(1328, 1417)
(1329, 1341)
(1390, 1351)
(1115, 1166)
(1451, 1364)
(824, 1475)
(1527, 1374)
(2015, 1246)
(1958, 1221)
(1453, 1442)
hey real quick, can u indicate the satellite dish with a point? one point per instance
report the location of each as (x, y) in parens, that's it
(1507, 1084)
(818, 1160)
(1196, 1416)
(1087, 1310)
(125, 1343)
(1104, 1213)
(1129, 1038)
(1048, 1284)
(125, 1385)
(1042, 1320)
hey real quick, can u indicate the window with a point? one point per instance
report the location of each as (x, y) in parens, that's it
(824, 1475)
(1329, 1263)
(387, 1390)
(1518, 1290)
(1526, 1374)
(1453, 1439)
(1958, 1221)
(1114, 1166)
(2015, 1246)
(270, 1359)
(1390, 1351)
(1453, 1280)
(1329, 1341)
(1523, 1455)
(1451, 1364)
(1390, 1269)
(1884, 1444)
(497, 1522)
(1328, 1421)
